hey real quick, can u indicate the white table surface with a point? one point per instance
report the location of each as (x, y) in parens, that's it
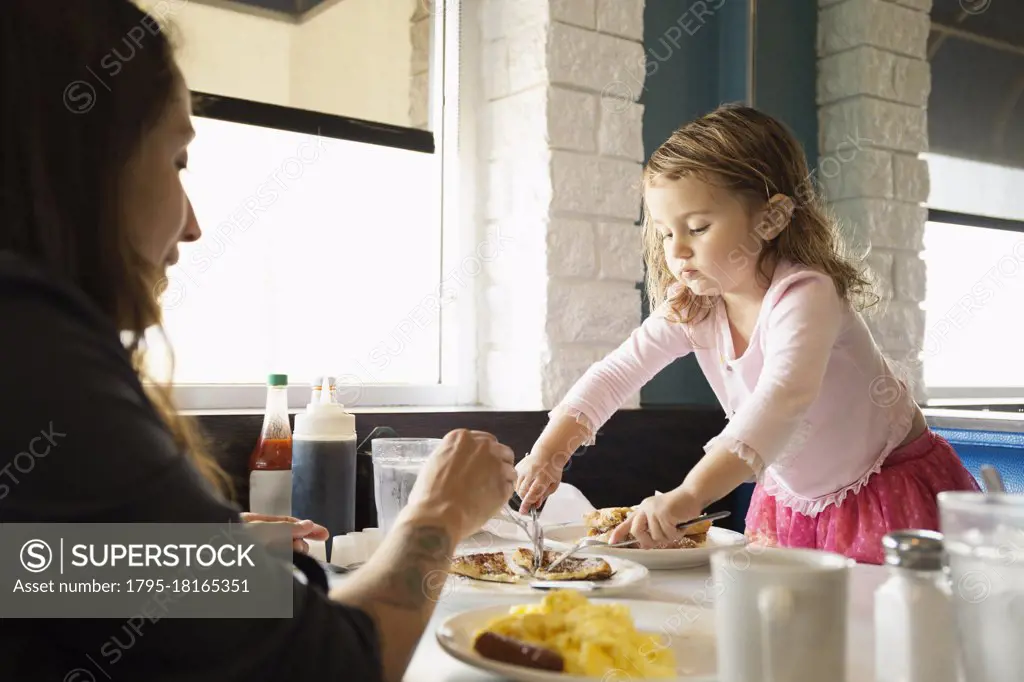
(430, 663)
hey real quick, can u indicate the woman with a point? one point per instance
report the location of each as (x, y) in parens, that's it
(92, 212)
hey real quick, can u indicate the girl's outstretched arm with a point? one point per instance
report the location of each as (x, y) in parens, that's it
(592, 400)
(541, 472)
(718, 473)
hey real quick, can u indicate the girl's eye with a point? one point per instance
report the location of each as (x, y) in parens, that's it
(700, 230)
(665, 236)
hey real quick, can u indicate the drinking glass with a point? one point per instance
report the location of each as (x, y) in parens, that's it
(396, 465)
(984, 536)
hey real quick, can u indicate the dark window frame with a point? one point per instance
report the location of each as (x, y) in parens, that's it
(309, 122)
(936, 215)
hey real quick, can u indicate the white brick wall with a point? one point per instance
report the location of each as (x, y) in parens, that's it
(560, 168)
(873, 86)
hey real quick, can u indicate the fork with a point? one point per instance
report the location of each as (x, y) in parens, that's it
(533, 530)
(538, 541)
(590, 541)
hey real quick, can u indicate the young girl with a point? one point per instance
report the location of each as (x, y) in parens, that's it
(745, 270)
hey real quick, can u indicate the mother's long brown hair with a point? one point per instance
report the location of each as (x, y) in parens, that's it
(754, 156)
(83, 82)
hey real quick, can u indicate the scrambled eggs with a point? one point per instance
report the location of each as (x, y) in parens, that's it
(594, 639)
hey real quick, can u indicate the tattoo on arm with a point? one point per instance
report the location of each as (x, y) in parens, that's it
(421, 569)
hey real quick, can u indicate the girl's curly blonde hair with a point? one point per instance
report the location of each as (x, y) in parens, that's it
(752, 154)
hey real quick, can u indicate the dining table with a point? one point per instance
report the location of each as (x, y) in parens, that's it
(689, 586)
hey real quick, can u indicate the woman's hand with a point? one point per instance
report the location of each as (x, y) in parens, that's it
(654, 520)
(301, 530)
(537, 476)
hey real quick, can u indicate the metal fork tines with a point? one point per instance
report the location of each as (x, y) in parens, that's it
(517, 519)
(538, 540)
(534, 531)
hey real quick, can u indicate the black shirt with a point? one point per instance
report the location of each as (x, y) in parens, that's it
(63, 370)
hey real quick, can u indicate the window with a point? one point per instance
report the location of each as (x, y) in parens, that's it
(975, 285)
(973, 312)
(974, 238)
(322, 251)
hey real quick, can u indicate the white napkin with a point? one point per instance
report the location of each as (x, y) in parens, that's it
(356, 547)
(566, 505)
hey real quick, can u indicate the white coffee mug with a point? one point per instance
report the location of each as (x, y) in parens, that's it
(780, 614)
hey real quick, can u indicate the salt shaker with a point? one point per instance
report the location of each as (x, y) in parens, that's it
(914, 628)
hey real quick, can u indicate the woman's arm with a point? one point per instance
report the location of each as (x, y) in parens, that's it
(400, 585)
(463, 483)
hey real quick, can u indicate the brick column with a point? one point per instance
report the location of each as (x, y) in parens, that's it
(562, 163)
(873, 84)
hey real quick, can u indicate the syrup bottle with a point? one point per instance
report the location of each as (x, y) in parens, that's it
(324, 481)
(270, 465)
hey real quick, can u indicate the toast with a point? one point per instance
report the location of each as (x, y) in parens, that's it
(488, 566)
(601, 522)
(573, 568)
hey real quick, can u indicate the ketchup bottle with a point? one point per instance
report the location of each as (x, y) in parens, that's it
(270, 465)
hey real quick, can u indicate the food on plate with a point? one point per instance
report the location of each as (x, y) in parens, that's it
(490, 566)
(507, 650)
(495, 567)
(573, 568)
(591, 639)
(601, 522)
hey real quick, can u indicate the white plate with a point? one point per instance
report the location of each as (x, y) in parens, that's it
(689, 630)
(628, 575)
(718, 538)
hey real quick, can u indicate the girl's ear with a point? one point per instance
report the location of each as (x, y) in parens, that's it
(777, 215)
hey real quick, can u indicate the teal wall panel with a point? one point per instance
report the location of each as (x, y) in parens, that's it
(684, 42)
(698, 57)
(786, 67)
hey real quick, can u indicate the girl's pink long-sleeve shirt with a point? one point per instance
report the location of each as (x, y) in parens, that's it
(813, 405)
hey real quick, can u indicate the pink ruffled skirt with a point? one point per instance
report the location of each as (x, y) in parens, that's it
(903, 494)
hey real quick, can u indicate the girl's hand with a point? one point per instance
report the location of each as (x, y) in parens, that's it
(537, 477)
(301, 530)
(654, 520)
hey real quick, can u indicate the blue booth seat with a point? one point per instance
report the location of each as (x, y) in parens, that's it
(1002, 449)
